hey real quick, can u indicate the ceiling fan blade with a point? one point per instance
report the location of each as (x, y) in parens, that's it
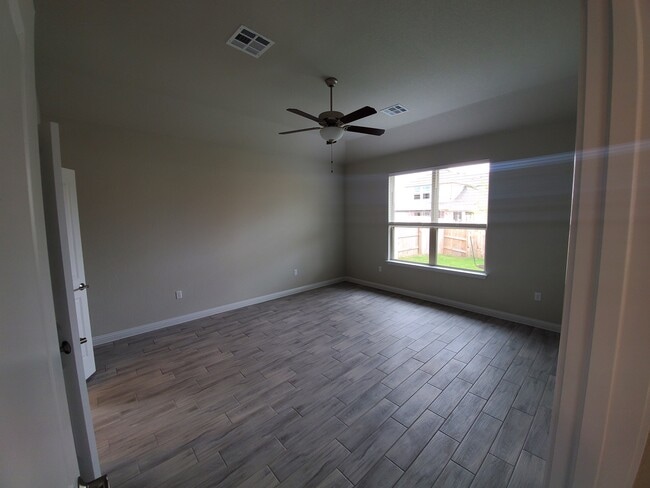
(365, 130)
(303, 114)
(299, 130)
(358, 114)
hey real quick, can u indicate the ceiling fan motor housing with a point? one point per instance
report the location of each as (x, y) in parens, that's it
(330, 118)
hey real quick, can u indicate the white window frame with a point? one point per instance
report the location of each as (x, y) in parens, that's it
(432, 226)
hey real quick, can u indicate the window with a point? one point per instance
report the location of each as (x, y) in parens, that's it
(446, 228)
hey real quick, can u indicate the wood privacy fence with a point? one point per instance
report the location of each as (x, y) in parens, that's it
(414, 241)
(462, 242)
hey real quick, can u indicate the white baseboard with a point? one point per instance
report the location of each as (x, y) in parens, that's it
(542, 324)
(141, 329)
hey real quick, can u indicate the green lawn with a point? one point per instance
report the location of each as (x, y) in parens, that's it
(449, 262)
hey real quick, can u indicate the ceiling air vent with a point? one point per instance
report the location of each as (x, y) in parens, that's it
(394, 110)
(249, 41)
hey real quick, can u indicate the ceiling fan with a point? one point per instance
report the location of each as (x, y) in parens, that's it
(333, 124)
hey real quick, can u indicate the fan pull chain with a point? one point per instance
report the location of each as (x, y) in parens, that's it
(331, 158)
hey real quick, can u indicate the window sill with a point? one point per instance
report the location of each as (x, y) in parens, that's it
(458, 272)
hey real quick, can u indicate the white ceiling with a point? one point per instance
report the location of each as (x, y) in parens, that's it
(461, 67)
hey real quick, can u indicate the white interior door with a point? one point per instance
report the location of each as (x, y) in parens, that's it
(58, 220)
(77, 268)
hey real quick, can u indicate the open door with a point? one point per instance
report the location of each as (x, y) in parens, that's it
(79, 283)
(56, 222)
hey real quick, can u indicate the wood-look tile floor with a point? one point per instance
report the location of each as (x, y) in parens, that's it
(337, 387)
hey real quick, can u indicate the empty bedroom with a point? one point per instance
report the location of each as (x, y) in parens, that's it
(337, 244)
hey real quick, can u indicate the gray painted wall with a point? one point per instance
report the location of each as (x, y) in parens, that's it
(160, 214)
(528, 221)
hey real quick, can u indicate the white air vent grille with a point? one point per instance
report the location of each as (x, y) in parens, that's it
(394, 110)
(249, 41)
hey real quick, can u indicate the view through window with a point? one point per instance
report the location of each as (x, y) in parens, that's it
(438, 217)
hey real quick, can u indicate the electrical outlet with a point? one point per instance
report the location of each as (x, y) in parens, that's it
(179, 294)
(537, 296)
(295, 271)
(379, 268)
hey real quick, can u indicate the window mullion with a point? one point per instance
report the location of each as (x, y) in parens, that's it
(433, 246)
(433, 232)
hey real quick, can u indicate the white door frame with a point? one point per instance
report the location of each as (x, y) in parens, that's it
(601, 415)
(66, 316)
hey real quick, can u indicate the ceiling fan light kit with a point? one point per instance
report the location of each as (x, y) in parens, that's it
(331, 134)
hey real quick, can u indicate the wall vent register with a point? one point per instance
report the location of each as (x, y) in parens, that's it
(249, 41)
